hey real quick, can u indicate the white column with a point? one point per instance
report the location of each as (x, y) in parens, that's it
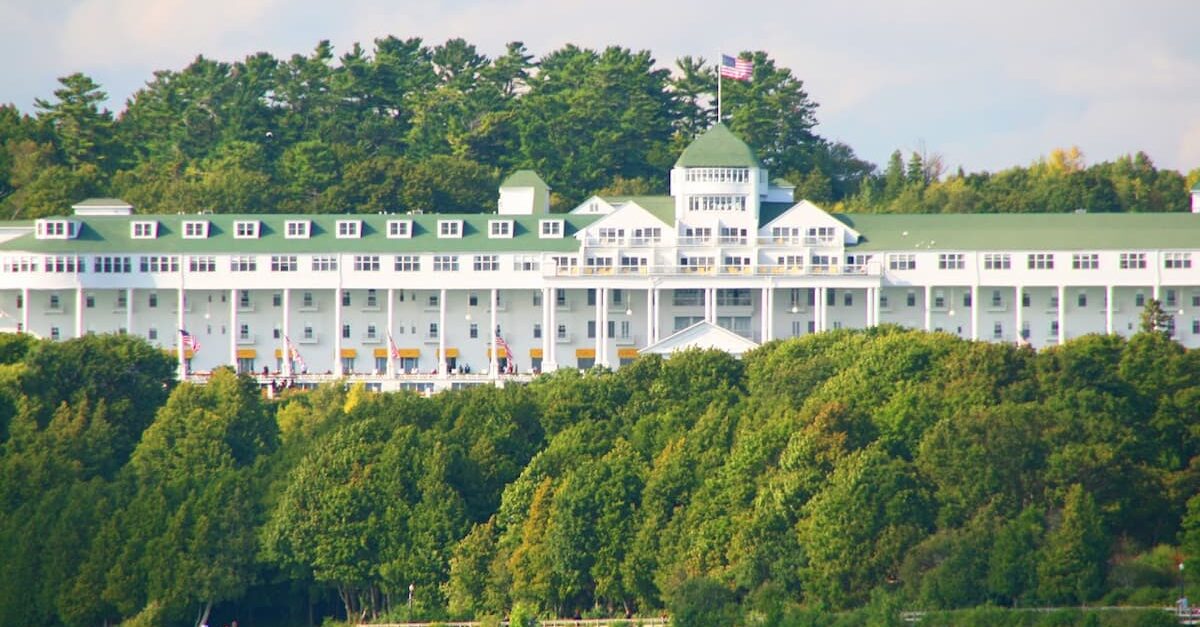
(391, 308)
(1062, 314)
(179, 328)
(1157, 289)
(129, 310)
(1108, 309)
(598, 344)
(337, 332)
(869, 298)
(1018, 299)
(287, 331)
(928, 307)
(764, 315)
(547, 332)
(975, 312)
(79, 311)
(602, 333)
(442, 369)
(770, 330)
(550, 359)
(494, 361)
(712, 308)
(233, 328)
(25, 306)
(823, 308)
(875, 306)
(649, 316)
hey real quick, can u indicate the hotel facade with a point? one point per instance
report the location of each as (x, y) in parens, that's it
(437, 300)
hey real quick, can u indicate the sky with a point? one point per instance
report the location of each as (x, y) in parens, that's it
(986, 85)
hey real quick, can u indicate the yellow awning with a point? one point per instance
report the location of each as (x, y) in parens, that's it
(627, 353)
(451, 353)
(246, 353)
(349, 353)
(411, 353)
(502, 353)
(279, 353)
(585, 353)
(535, 353)
(380, 352)
(187, 354)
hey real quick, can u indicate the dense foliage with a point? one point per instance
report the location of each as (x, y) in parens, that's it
(408, 126)
(876, 470)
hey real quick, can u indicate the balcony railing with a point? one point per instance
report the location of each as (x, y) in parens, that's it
(722, 269)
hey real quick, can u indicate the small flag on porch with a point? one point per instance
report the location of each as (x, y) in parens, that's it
(188, 342)
(737, 69)
(293, 354)
(395, 350)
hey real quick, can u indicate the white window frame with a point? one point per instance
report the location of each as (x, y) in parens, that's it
(902, 261)
(450, 229)
(1177, 260)
(1085, 261)
(445, 263)
(997, 261)
(143, 229)
(550, 229)
(348, 229)
(1040, 261)
(1132, 261)
(245, 229)
(297, 229)
(500, 229)
(487, 263)
(407, 263)
(399, 229)
(195, 229)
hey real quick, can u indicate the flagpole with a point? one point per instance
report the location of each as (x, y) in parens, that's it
(718, 88)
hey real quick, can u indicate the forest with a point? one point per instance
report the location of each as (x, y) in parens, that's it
(407, 126)
(841, 476)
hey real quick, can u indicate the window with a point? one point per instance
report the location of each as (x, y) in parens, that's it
(526, 263)
(245, 229)
(717, 175)
(103, 265)
(646, 236)
(143, 230)
(632, 264)
(551, 228)
(196, 230)
(1172, 298)
(939, 300)
(243, 263)
(1085, 261)
(997, 261)
(202, 263)
(1139, 300)
(537, 331)
(1040, 261)
(244, 299)
(473, 331)
(820, 235)
(902, 262)
(591, 329)
(1177, 261)
(433, 330)
(159, 264)
(1025, 299)
(324, 263)
(308, 331)
(348, 229)
(610, 235)
(297, 229)
(445, 263)
(407, 263)
(500, 228)
(345, 331)
(487, 263)
(966, 299)
(89, 301)
(276, 300)
(598, 265)
(449, 228)
(561, 332)
(730, 297)
(951, 261)
(717, 202)
(57, 229)
(366, 263)
(911, 299)
(152, 300)
(399, 229)
(732, 235)
(1133, 261)
(306, 300)
(1081, 300)
(346, 299)
(847, 299)
(688, 297)
(997, 330)
(54, 303)
(372, 298)
(997, 299)
(283, 263)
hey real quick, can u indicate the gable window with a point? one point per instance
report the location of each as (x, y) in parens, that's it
(647, 236)
(297, 229)
(245, 229)
(449, 228)
(399, 229)
(348, 229)
(144, 230)
(500, 228)
(551, 228)
(819, 235)
(195, 229)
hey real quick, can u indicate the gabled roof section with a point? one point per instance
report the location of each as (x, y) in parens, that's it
(717, 147)
(594, 205)
(102, 206)
(627, 214)
(702, 335)
(661, 207)
(529, 178)
(808, 214)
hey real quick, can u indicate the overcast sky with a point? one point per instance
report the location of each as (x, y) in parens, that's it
(986, 84)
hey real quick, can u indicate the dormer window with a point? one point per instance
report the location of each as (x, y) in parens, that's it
(143, 230)
(245, 229)
(57, 229)
(500, 228)
(349, 229)
(195, 229)
(399, 229)
(449, 228)
(551, 228)
(297, 229)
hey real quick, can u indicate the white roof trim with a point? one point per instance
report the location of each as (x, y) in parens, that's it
(702, 335)
(809, 207)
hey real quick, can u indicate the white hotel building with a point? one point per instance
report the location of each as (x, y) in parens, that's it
(728, 247)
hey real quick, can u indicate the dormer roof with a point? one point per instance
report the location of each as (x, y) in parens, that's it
(718, 147)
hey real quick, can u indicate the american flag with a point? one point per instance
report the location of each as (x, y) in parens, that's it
(502, 349)
(294, 354)
(392, 346)
(188, 341)
(737, 69)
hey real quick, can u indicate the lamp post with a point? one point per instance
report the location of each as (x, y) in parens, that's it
(1182, 603)
(411, 587)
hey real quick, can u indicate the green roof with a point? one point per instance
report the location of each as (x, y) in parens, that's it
(768, 211)
(102, 202)
(716, 147)
(529, 178)
(1025, 231)
(111, 234)
(661, 207)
